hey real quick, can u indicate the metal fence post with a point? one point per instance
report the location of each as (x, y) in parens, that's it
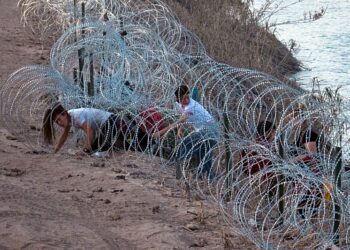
(91, 87)
(81, 51)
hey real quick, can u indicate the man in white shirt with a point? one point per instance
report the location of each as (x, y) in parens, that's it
(203, 140)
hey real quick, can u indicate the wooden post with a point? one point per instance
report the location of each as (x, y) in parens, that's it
(337, 186)
(228, 157)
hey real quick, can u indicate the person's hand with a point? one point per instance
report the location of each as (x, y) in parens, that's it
(86, 150)
(183, 118)
(180, 133)
(80, 153)
(77, 152)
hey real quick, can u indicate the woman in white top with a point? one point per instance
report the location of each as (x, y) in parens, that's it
(101, 127)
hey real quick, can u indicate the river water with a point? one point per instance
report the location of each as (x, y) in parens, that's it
(323, 45)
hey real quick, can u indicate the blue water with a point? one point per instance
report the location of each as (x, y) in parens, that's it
(323, 45)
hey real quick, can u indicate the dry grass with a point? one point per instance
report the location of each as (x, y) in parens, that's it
(232, 36)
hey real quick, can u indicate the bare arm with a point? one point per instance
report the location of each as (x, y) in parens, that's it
(180, 131)
(89, 135)
(311, 146)
(298, 158)
(62, 139)
(161, 132)
(183, 118)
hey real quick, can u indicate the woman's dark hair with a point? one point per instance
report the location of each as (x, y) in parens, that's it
(49, 117)
(181, 91)
(264, 128)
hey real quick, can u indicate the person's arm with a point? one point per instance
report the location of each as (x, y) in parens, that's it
(183, 118)
(298, 158)
(180, 130)
(158, 134)
(311, 146)
(89, 132)
(62, 139)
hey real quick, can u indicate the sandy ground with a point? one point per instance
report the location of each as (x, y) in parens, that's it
(62, 201)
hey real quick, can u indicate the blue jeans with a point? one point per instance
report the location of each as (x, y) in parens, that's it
(200, 145)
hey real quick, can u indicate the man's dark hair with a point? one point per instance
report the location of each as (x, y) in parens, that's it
(181, 91)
